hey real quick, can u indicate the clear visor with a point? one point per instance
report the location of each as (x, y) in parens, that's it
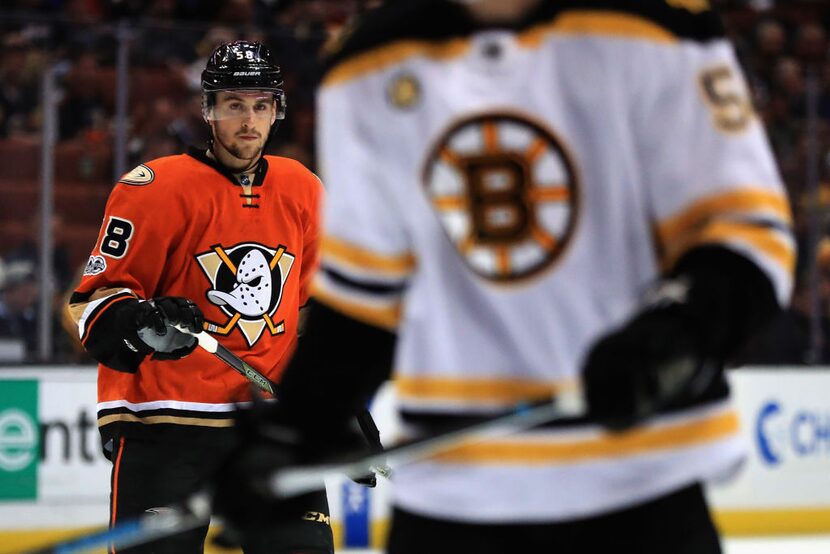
(246, 104)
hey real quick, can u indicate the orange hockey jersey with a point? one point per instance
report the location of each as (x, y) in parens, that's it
(183, 226)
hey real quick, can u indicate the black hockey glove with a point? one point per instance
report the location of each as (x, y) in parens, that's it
(651, 361)
(673, 351)
(155, 320)
(270, 440)
(114, 340)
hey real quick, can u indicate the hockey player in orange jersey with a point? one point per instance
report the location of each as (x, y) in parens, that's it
(225, 240)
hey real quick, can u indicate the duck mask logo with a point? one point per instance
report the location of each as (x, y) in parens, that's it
(247, 283)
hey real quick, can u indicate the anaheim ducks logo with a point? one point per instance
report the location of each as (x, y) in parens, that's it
(139, 176)
(505, 192)
(247, 283)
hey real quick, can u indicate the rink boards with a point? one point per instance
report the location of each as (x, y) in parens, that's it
(53, 477)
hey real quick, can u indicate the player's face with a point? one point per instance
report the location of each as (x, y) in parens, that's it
(241, 121)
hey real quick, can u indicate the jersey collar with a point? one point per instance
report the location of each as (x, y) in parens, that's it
(259, 173)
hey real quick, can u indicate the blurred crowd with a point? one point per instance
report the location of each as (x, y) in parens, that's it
(783, 48)
(169, 41)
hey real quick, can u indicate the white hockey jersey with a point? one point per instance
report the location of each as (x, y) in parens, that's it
(502, 197)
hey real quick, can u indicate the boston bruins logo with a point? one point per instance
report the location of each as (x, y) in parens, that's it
(247, 283)
(505, 192)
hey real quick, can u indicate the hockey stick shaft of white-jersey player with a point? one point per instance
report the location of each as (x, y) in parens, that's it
(296, 480)
(292, 481)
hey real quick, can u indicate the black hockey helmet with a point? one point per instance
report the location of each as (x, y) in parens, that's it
(243, 65)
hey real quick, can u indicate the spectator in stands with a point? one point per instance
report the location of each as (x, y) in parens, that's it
(788, 80)
(27, 252)
(161, 132)
(162, 40)
(192, 72)
(811, 43)
(84, 103)
(18, 88)
(237, 13)
(18, 304)
(824, 101)
(770, 43)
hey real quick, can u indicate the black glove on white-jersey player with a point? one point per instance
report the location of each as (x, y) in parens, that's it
(674, 349)
(643, 366)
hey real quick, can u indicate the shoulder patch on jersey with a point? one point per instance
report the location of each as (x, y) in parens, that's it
(404, 91)
(141, 175)
(95, 265)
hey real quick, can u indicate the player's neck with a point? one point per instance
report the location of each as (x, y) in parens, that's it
(234, 167)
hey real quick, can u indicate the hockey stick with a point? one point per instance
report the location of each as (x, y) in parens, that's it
(213, 346)
(296, 480)
(292, 481)
(137, 531)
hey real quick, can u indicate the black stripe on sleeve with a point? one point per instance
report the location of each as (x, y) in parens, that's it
(371, 287)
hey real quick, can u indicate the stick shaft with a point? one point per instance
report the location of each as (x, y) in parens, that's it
(137, 531)
(210, 344)
(246, 370)
(292, 481)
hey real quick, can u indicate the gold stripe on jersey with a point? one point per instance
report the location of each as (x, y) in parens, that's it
(715, 220)
(636, 442)
(761, 239)
(340, 252)
(386, 317)
(577, 22)
(733, 201)
(496, 390)
(155, 420)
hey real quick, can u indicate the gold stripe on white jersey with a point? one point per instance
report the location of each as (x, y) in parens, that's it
(529, 450)
(494, 391)
(352, 258)
(736, 217)
(382, 314)
(734, 201)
